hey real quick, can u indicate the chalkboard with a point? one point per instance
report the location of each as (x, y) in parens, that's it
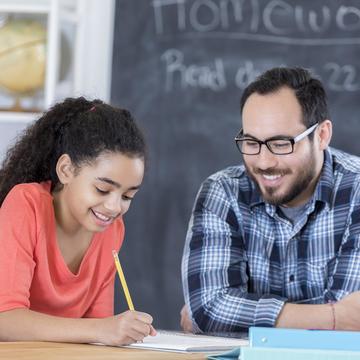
(180, 67)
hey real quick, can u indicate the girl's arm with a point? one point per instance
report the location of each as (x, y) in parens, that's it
(27, 325)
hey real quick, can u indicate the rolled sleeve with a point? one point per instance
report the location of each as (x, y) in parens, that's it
(267, 311)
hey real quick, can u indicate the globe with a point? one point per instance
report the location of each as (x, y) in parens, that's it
(22, 56)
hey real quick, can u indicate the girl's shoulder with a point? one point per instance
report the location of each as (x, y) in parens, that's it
(33, 193)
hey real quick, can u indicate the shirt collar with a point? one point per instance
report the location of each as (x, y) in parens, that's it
(323, 191)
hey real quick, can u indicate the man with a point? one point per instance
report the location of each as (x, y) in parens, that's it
(276, 241)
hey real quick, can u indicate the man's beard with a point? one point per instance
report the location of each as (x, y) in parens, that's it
(300, 184)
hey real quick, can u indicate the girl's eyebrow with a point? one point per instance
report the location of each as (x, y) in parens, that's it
(114, 183)
(109, 181)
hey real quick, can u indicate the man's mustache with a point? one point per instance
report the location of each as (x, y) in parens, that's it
(272, 172)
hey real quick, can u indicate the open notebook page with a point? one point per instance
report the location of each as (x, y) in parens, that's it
(180, 342)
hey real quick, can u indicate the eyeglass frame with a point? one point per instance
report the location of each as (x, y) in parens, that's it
(293, 141)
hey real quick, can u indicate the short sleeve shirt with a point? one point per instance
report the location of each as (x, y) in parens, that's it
(33, 272)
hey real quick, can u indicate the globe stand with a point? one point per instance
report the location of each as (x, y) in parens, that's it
(17, 105)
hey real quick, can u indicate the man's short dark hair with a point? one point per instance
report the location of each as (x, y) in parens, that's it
(308, 90)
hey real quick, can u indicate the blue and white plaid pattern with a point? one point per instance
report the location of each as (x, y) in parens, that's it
(242, 261)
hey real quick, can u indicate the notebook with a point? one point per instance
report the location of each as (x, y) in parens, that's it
(181, 342)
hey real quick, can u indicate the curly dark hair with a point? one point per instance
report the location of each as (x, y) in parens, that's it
(78, 127)
(308, 90)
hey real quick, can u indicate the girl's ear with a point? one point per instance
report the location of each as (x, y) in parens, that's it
(65, 169)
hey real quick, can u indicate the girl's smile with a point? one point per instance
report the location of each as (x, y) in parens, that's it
(96, 193)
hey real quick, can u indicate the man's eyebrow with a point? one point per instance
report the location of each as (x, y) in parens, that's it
(248, 136)
(276, 137)
(116, 184)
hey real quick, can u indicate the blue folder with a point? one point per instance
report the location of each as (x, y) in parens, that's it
(304, 339)
(263, 353)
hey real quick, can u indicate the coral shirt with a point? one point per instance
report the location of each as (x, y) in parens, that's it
(33, 272)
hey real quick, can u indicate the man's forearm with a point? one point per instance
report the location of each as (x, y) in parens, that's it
(342, 315)
(306, 316)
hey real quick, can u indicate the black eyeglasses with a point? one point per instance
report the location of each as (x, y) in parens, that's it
(278, 146)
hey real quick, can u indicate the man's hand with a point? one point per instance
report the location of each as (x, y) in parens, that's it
(185, 321)
(347, 312)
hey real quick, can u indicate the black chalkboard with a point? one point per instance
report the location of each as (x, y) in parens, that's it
(180, 66)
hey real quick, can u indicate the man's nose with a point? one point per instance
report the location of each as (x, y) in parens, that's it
(266, 159)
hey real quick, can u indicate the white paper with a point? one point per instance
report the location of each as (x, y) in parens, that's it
(180, 342)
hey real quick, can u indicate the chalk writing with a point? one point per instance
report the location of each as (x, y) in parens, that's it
(181, 74)
(270, 21)
(202, 76)
(342, 78)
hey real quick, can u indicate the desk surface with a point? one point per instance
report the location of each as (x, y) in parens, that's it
(61, 351)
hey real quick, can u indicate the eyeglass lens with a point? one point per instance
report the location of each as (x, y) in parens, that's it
(253, 147)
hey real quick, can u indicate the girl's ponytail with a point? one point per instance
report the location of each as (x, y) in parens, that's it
(33, 156)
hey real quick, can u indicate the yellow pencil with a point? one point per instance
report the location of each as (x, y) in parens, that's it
(122, 280)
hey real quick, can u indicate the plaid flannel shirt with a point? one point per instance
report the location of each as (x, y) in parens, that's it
(242, 260)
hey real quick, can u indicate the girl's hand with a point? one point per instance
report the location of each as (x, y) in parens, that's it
(125, 328)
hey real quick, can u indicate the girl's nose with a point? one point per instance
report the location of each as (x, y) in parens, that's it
(114, 205)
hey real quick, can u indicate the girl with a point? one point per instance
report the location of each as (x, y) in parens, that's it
(64, 187)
